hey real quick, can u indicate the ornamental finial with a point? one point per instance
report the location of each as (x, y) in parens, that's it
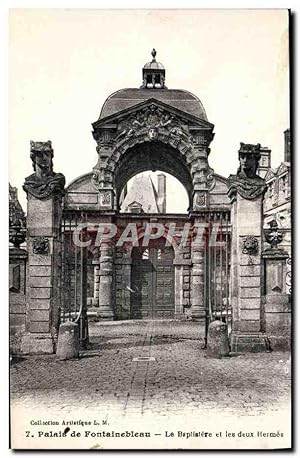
(273, 235)
(153, 54)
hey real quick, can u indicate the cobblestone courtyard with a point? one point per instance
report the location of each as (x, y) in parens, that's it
(179, 380)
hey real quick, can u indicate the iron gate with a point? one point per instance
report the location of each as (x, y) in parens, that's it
(74, 276)
(217, 268)
(153, 278)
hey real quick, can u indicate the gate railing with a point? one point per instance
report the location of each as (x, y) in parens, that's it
(217, 269)
(288, 277)
(74, 276)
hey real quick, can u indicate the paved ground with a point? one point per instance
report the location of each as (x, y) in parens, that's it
(180, 381)
(181, 377)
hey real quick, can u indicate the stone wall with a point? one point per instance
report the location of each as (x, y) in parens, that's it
(278, 321)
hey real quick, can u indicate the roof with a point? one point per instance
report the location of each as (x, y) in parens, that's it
(177, 98)
(154, 66)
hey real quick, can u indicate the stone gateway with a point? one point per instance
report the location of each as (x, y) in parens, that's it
(225, 275)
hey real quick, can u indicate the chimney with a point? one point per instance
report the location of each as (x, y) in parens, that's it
(161, 200)
(264, 162)
(287, 146)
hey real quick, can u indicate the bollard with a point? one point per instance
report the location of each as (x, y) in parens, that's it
(217, 340)
(68, 341)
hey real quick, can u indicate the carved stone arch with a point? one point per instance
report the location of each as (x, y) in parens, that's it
(183, 138)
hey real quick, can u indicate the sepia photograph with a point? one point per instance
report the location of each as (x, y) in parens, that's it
(150, 235)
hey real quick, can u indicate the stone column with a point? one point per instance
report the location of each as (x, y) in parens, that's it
(247, 270)
(106, 311)
(126, 305)
(44, 211)
(182, 280)
(277, 303)
(197, 284)
(95, 300)
(178, 288)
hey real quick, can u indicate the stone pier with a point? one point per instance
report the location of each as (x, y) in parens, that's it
(247, 268)
(44, 190)
(197, 284)
(106, 310)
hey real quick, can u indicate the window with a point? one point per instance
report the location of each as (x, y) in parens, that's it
(264, 160)
(157, 79)
(283, 185)
(271, 189)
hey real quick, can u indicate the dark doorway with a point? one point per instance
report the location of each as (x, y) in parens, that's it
(152, 283)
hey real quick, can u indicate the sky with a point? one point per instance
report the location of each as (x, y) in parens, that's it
(64, 63)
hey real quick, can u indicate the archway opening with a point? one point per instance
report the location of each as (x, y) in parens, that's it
(154, 156)
(154, 192)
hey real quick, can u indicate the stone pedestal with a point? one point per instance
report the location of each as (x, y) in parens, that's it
(68, 341)
(106, 311)
(217, 340)
(277, 302)
(247, 273)
(197, 284)
(43, 274)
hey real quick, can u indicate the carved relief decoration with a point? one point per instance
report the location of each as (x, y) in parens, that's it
(210, 177)
(200, 199)
(151, 121)
(105, 198)
(40, 245)
(98, 179)
(273, 235)
(288, 278)
(250, 245)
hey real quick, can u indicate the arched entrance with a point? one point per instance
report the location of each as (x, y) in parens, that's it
(152, 288)
(154, 192)
(138, 131)
(153, 156)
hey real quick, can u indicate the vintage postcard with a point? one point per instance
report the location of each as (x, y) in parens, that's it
(150, 229)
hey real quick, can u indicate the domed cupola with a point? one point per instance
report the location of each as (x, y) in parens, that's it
(153, 74)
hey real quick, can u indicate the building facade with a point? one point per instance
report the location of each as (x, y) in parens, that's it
(277, 204)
